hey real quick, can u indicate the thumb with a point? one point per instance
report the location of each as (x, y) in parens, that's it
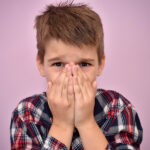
(94, 84)
(49, 87)
(49, 84)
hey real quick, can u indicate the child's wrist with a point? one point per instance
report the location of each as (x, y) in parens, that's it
(62, 133)
(87, 124)
(63, 126)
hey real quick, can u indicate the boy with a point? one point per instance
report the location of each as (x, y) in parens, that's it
(73, 113)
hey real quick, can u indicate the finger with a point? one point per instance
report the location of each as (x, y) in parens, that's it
(82, 73)
(50, 90)
(60, 81)
(65, 88)
(80, 76)
(49, 85)
(87, 81)
(77, 90)
(70, 90)
(82, 82)
(68, 70)
(91, 88)
(94, 84)
(74, 70)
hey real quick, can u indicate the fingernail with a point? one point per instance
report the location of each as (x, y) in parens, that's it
(68, 68)
(66, 65)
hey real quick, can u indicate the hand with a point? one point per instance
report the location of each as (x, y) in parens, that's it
(61, 99)
(85, 92)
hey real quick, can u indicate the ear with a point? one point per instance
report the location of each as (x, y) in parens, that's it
(101, 66)
(40, 66)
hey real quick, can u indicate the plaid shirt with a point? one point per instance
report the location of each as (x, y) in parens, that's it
(114, 114)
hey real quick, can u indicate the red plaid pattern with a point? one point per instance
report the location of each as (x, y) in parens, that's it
(115, 115)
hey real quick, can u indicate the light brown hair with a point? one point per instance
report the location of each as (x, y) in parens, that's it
(75, 24)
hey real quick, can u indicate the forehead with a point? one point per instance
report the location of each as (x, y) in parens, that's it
(57, 48)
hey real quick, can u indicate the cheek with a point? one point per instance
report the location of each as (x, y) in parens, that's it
(90, 77)
(90, 74)
(52, 75)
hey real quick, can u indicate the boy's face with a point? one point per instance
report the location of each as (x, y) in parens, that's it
(58, 54)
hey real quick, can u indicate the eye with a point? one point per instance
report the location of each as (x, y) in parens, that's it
(57, 64)
(84, 64)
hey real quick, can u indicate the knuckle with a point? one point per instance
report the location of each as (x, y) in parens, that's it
(70, 92)
(66, 104)
(56, 102)
(55, 81)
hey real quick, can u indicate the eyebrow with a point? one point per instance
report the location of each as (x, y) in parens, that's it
(62, 58)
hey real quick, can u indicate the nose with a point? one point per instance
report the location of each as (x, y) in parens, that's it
(71, 64)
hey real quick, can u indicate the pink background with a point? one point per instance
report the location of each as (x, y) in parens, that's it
(127, 47)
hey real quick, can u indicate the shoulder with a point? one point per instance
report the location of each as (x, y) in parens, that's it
(30, 108)
(112, 101)
(121, 122)
(31, 102)
(112, 96)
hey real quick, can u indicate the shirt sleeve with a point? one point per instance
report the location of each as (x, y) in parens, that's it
(124, 131)
(26, 136)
